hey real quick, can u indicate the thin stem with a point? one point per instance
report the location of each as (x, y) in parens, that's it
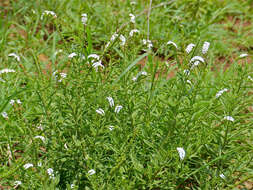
(149, 11)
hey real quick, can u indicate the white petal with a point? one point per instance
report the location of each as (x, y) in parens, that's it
(111, 101)
(123, 40)
(172, 43)
(28, 165)
(50, 171)
(72, 55)
(222, 176)
(189, 48)
(94, 56)
(132, 18)
(221, 92)
(15, 56)
(100, 111)
(181, 152)
(114, 36)
(5, 115)
(117, 109)
(16, 183)
(131, 33)
(250, 78)
(243, 55)
(205, 47)
(48, 13)
(12, 102)
(91, 172)
(7, 71)
(197, 58)
(229, 118)
(111, 128)
(41, 138)
(84, 18)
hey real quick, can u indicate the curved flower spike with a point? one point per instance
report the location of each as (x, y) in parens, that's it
(181, 152)
(172, 43)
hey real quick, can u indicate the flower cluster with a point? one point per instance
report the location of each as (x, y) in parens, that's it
(59, 76)
(48, 13)
(15, 56)
(84, 18)
(148, 43)
(144, 73)
(221, 92)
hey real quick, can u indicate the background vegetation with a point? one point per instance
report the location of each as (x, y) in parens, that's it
(55, 125)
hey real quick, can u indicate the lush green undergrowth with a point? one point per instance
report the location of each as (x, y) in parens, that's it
(93, 99)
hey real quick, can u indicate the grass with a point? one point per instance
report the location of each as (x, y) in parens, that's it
(57, 125)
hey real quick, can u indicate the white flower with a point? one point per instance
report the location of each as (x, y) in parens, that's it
(91, 172)
(5, 115)
(97, 64)
(84, 18)
(189, 48)
(133, 3)
(12, 102)
(132, 18)
(122, 39)
(100, 111)
(243, 55)
(72, 186)
(117, 109)
(50, 172)
(107, 45)
(72, 55)
(148, 43)
(65, 146)
(197, 58)
(7, 71)
(186, 72)
(222, 176)
(229, 118)
(15, 56)
(144, 73)
(58, 51)
(111, 101)
(181, 152)
(94, 56)
(18, 101)
(28, 165)
(111, 127)
(48, 13)
(39, 164)
(205, 47)
(17, 183)
(40, 127)
(172, 43)
(221, 92)
(41, 138)
(114, 36)
(131, 33)
(189, 82)
(63, 75)
(196, 63)
(250, 78)
(83, 57)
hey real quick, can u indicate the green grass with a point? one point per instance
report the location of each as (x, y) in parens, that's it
(159, 113)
